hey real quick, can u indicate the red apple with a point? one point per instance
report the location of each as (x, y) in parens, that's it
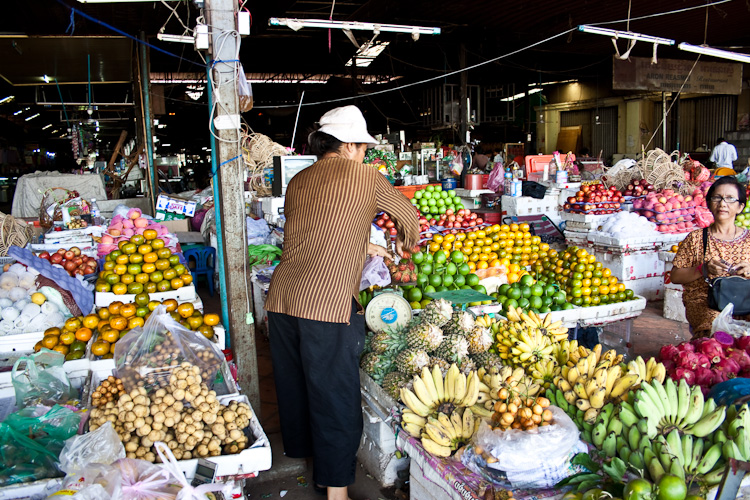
(69, 255)
(44, 255)
(480, 220)
(56, 258)
(76, 251)
(61, 251)
(69, 265)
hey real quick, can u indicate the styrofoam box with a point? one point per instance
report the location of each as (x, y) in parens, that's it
(36, 490)
(634, 243)
(605, 311)
(649, 288)
(184, 294)
(674, 309)
(378, 447)
(569, 317)
(526, 205)
(631, 265)
(472, 193)
(584, 218)
(574, 186)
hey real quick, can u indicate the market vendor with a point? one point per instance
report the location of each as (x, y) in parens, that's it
(727, 253)
(316, 325)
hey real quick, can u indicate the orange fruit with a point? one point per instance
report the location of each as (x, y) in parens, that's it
(122, 259)
(118, 323)
(211, 319)
(150, 234)
(67, 338)
(162, 264)
(195, 321)
(153, 304)
(83, 334)
(120, 289)
(144, 249)
(111, 350)
(142, 312)
(52, 331)
(186, 309)
(120, 244)
(100, 348)
(102, 323)
(157, 243)
(73, 324)
(127, 279)
(111, 335)
(50, 341)
(187, 279)
(127, 310)
(121, 269)
(61, 348)
(170, 273)
(135, 322)
(207, 331)
(176, 283)
(138, 239)
(114, 307)
(164, 253)
(150, 287)
(150, 257)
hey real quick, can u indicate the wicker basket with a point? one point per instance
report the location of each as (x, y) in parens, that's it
(13, 232)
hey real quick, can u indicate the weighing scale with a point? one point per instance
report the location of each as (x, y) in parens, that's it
(387, 310)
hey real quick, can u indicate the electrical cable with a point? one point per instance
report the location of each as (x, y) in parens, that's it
(659, 14)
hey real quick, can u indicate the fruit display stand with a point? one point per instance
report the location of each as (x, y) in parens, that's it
(184, 294)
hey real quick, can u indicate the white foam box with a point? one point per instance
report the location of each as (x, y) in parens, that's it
(617, 309)
(674, 309)
(631, 265)
(652, 241)
(649, 288)
(425, 483)
(40, 489)
(184, 294)
(382, 465)
(526, 205)
(668, 259)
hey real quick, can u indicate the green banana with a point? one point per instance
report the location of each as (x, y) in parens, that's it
(719, 436)
(743, 443)
(687, 449)
(674, 445)
(610, 445)
(714, 477)
(634, 437)
(677, 468)
(628, 417)
(615, 425)
(586, 435)
(695, 459)
(636, 460)
(730, 450)
(598, 435)
(670, 390)
(709, 423)
(624, 453)
(683, 401)
(708, 407)
(695, 408)
(655, 469)
(709, 459)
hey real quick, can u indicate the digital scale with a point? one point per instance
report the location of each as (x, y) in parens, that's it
(205, 472)
(387, 310)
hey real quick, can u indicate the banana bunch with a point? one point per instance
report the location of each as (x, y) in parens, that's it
(562, 352)
(647, 371)
(685, 456)
(735, 433)
(596, 379)
(512, 380)
(442, 435)
(544, 372)
(658, 407)
(545, 324)
(433, 395)
(485, 321)
(523, 339)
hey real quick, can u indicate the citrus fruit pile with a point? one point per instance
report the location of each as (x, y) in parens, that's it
(440, 272)
(72, 338)
(530, 294)
(142, 264)
(585, 281)
(433, 200)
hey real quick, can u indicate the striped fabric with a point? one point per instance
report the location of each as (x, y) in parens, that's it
(329, 208)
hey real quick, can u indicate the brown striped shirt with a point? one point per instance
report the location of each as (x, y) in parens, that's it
(329, 207)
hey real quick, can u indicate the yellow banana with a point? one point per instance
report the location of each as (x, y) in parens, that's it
(413, 430)
(437, 380)
(435, 449)
(580, 390)
(597, 398)
(623, 384)
(446, 425)
(467, 424)
(597, 350)
(429, 383)
(613, 374)
(413, 402)
(460, 388)
(410, 417)
(420, 389)
(547, 320)
(436, 432)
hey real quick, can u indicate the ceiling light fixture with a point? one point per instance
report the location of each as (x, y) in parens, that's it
(297, 24)
(46, 79)
(165, 37)
(367, 53)
(18, 112)
(7, 99)
(710, 51)
(629, 35)
(32, 117)
(521, 95)
(47, 126)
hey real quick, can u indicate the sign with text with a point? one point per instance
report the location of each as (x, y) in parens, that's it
(669, 74)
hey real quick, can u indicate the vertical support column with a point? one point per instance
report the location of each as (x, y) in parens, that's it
(147, 122)
(221, 16)
(463, 95)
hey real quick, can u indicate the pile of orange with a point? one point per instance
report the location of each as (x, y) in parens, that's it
(492, 246)
(71, 339)
(142, 264)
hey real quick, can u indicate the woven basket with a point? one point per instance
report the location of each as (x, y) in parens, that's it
(13, 232)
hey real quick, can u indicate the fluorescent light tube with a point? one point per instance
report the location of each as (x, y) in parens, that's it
(296, 24)
(710, 51)
(596, 30)
(32, 117)
(47, 126)
(7, 99)
(165, 37)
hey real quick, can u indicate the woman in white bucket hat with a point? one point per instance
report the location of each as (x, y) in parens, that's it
(316, 324)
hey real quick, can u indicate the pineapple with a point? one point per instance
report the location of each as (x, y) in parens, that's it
(442, 364)
(376, 365)
(438, 312)
(424, 336)
(480, 339)
(467, 365)
(390, 341)
(411, 361)
(393, 382)
(461, 323)
(453, 349)
(487, 360)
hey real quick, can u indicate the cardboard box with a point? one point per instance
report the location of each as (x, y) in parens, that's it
(174, 204)
(176, 226)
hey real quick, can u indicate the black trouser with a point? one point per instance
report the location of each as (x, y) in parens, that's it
(316, 369)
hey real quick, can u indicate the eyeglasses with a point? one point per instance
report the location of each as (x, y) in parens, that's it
(726, 199)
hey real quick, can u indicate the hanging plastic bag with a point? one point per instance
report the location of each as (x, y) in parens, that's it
(170, 464)
(49, 427)
(147, 356)
(374, 273)
(724, 322)
(96, 482)
(457, 165)
(43, 381)
(22, 460)
(496, 178)
(142, 480)
(245, 90)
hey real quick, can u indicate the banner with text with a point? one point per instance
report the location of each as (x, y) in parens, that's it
(668, 75)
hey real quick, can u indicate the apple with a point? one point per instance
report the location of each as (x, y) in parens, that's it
(69, 265)
(56, 258)
(480, 220)
(77, 261)
(393, 231)
(44, 255)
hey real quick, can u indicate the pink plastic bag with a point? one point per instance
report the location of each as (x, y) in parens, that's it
(496, 178)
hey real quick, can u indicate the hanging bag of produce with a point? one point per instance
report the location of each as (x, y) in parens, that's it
(148, 356)
(43, 381)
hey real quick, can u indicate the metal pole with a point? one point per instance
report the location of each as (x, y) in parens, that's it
(664, 120)
(219, 233)
(148, 124)
(224, 51)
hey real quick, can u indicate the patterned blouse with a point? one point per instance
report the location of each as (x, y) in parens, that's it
(695, 294)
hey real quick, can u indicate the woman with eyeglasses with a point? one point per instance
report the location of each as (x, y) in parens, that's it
(727, 253)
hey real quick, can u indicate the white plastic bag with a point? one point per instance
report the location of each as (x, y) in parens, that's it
(170, 465)
(375, 272)
(724, 322)
(102, 446)
(517, 450)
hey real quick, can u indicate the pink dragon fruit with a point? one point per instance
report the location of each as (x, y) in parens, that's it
(712, 348)
(668, 352)
(741, 357)
(703, 360)
(719, 375)
(687, 360)
(669, 365)
(745, 373)
(743, 343)
(724, 338)
(704, 377)
(683, 373)
(728, 366)
(686, 346)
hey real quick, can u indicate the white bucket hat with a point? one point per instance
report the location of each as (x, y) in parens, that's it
(347, 125)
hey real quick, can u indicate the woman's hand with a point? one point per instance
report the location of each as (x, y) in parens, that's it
(716, 267)
(742, 269)
(376, 250)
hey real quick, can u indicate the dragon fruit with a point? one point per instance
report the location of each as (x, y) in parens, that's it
(687, 360)
(684, 373)
(742, 358)
(719, 376)
(669, 365)
(724, 339)
(686, 346)
(668, 352)
(711, 348)
(743, 343)
(728, 366)
(703, 360)
(704, 377)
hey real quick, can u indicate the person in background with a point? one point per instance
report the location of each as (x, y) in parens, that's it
(479, 160)
(724, 154)
(727, 253)
(316, 325)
